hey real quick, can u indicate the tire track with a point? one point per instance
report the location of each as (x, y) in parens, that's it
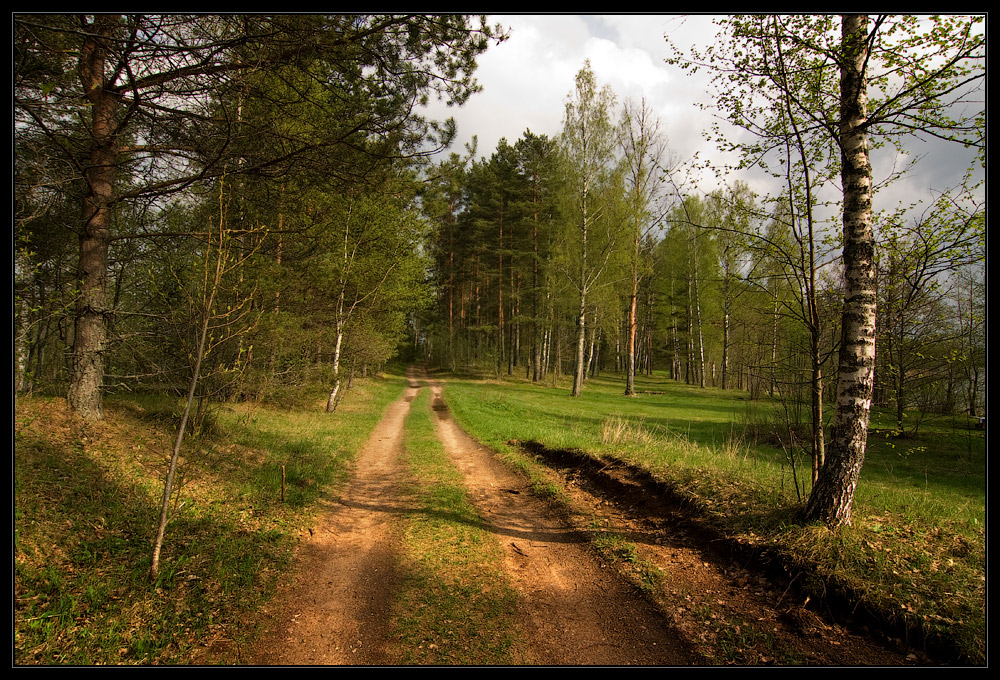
(574, 609)
(338, 611)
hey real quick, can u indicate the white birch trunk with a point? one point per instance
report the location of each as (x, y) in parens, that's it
(833, 494)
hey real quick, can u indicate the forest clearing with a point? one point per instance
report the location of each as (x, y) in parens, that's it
(684, 365)
(440, 578)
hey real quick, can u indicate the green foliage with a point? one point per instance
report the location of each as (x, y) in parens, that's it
(262, 126)
(924, 332)
(494, 229)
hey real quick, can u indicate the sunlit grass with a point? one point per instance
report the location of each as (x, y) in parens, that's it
(920, 501)
(455, 606)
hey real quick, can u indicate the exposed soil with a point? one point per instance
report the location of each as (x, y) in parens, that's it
(336, 611)
(574, 607)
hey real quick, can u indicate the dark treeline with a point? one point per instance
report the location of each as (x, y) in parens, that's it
(255, 175)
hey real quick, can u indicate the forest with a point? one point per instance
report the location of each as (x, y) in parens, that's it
(236, 208)
(243, 204)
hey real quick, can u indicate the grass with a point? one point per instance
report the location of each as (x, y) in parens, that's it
(915, 554)
(86, 499)
(455, 607)
(625, 554)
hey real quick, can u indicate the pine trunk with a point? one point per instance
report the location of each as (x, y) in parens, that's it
(90, 333)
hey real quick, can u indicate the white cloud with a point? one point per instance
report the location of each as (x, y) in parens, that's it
(527, 79)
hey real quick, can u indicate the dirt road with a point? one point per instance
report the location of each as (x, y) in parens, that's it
(574, 609)
(337, 611)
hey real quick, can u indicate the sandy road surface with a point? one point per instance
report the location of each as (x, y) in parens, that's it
(574, 609)
(337, 611)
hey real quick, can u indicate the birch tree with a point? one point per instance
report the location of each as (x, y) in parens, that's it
(371, 241)
(925, 98)
(645, 159)
(833, 492)
(588, 142)
(900, 77)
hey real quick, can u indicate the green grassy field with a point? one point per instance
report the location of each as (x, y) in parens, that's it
(85, 510)
(87, 497)
(915, 552)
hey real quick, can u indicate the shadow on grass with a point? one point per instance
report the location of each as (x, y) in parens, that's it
(83, 537)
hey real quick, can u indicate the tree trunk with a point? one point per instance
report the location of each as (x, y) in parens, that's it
(536, 349)
(774, 349)
(833, 494)
(500, 319)
(648, 334)
(578, 374)
(90, 334)
(515, 324)
(451, 286)
(818, 441)
(581, 341)
(701, 334)
(332, 400)
(689, 348)
(559, 356)
(591, 369)
(675, 372)
(632, 325)
(725, 340)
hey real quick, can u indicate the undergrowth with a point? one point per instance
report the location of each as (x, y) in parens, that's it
(86, 498)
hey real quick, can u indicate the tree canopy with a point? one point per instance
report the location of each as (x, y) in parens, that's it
(293, 148)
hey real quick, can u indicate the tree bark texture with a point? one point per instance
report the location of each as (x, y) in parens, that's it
(833, 493)
(584, 285)
(630, 347)
(90, 333)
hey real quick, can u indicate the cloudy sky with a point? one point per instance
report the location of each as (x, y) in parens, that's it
(527, 79)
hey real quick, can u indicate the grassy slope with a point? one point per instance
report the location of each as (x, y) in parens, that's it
(915, 552)
(86, 499)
